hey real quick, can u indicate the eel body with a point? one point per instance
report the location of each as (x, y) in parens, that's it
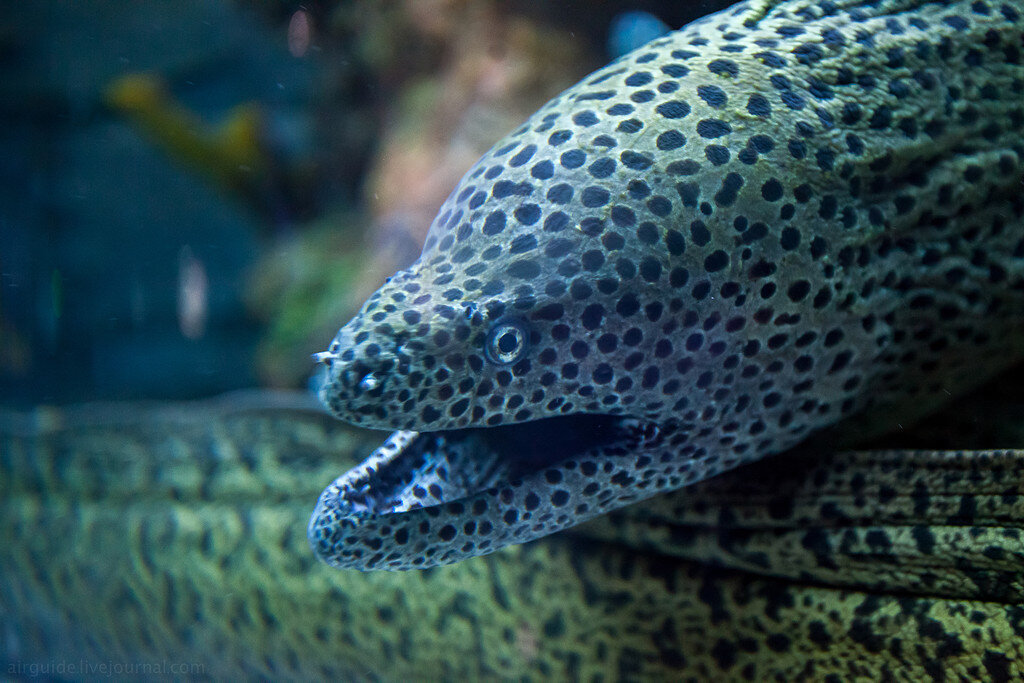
(781, 217)
(166, 540)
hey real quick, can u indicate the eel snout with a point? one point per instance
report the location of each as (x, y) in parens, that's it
(357, 377)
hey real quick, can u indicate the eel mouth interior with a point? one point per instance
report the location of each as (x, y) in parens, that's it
(414, 470)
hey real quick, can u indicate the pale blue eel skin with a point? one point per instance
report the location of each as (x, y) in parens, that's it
(782, 217)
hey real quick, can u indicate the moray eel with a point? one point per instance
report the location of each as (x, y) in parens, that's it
(154, 536)
(782, 216)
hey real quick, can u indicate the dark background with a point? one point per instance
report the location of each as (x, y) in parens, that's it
(104, 227)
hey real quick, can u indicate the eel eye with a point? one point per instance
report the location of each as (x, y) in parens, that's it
(506, 342)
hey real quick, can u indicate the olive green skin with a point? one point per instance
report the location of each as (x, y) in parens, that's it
(173, 535)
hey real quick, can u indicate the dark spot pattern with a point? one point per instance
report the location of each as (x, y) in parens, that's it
(760, 571)
(803, 227)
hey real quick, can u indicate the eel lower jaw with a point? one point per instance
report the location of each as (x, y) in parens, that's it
(412, 470)
(417, 480)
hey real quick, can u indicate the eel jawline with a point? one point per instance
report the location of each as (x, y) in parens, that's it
(424, 499)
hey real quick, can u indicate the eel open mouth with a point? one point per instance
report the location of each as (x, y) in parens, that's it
(429, 498)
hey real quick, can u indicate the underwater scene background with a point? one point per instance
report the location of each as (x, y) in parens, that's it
(194, 196)
(244, 161)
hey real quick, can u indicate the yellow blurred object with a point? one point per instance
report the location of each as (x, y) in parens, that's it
(231, 153)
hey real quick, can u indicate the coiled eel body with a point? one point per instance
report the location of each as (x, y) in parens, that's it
(157, 535)
(778, 218)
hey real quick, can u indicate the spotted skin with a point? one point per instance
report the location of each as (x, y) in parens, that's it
(147, 535)
(781, 216)
(969, 545)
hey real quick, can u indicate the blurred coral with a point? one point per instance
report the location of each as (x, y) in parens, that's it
(495, 70)
(230, 154)
(300, 290)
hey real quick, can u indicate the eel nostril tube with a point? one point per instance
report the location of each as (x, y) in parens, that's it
(325, 357)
